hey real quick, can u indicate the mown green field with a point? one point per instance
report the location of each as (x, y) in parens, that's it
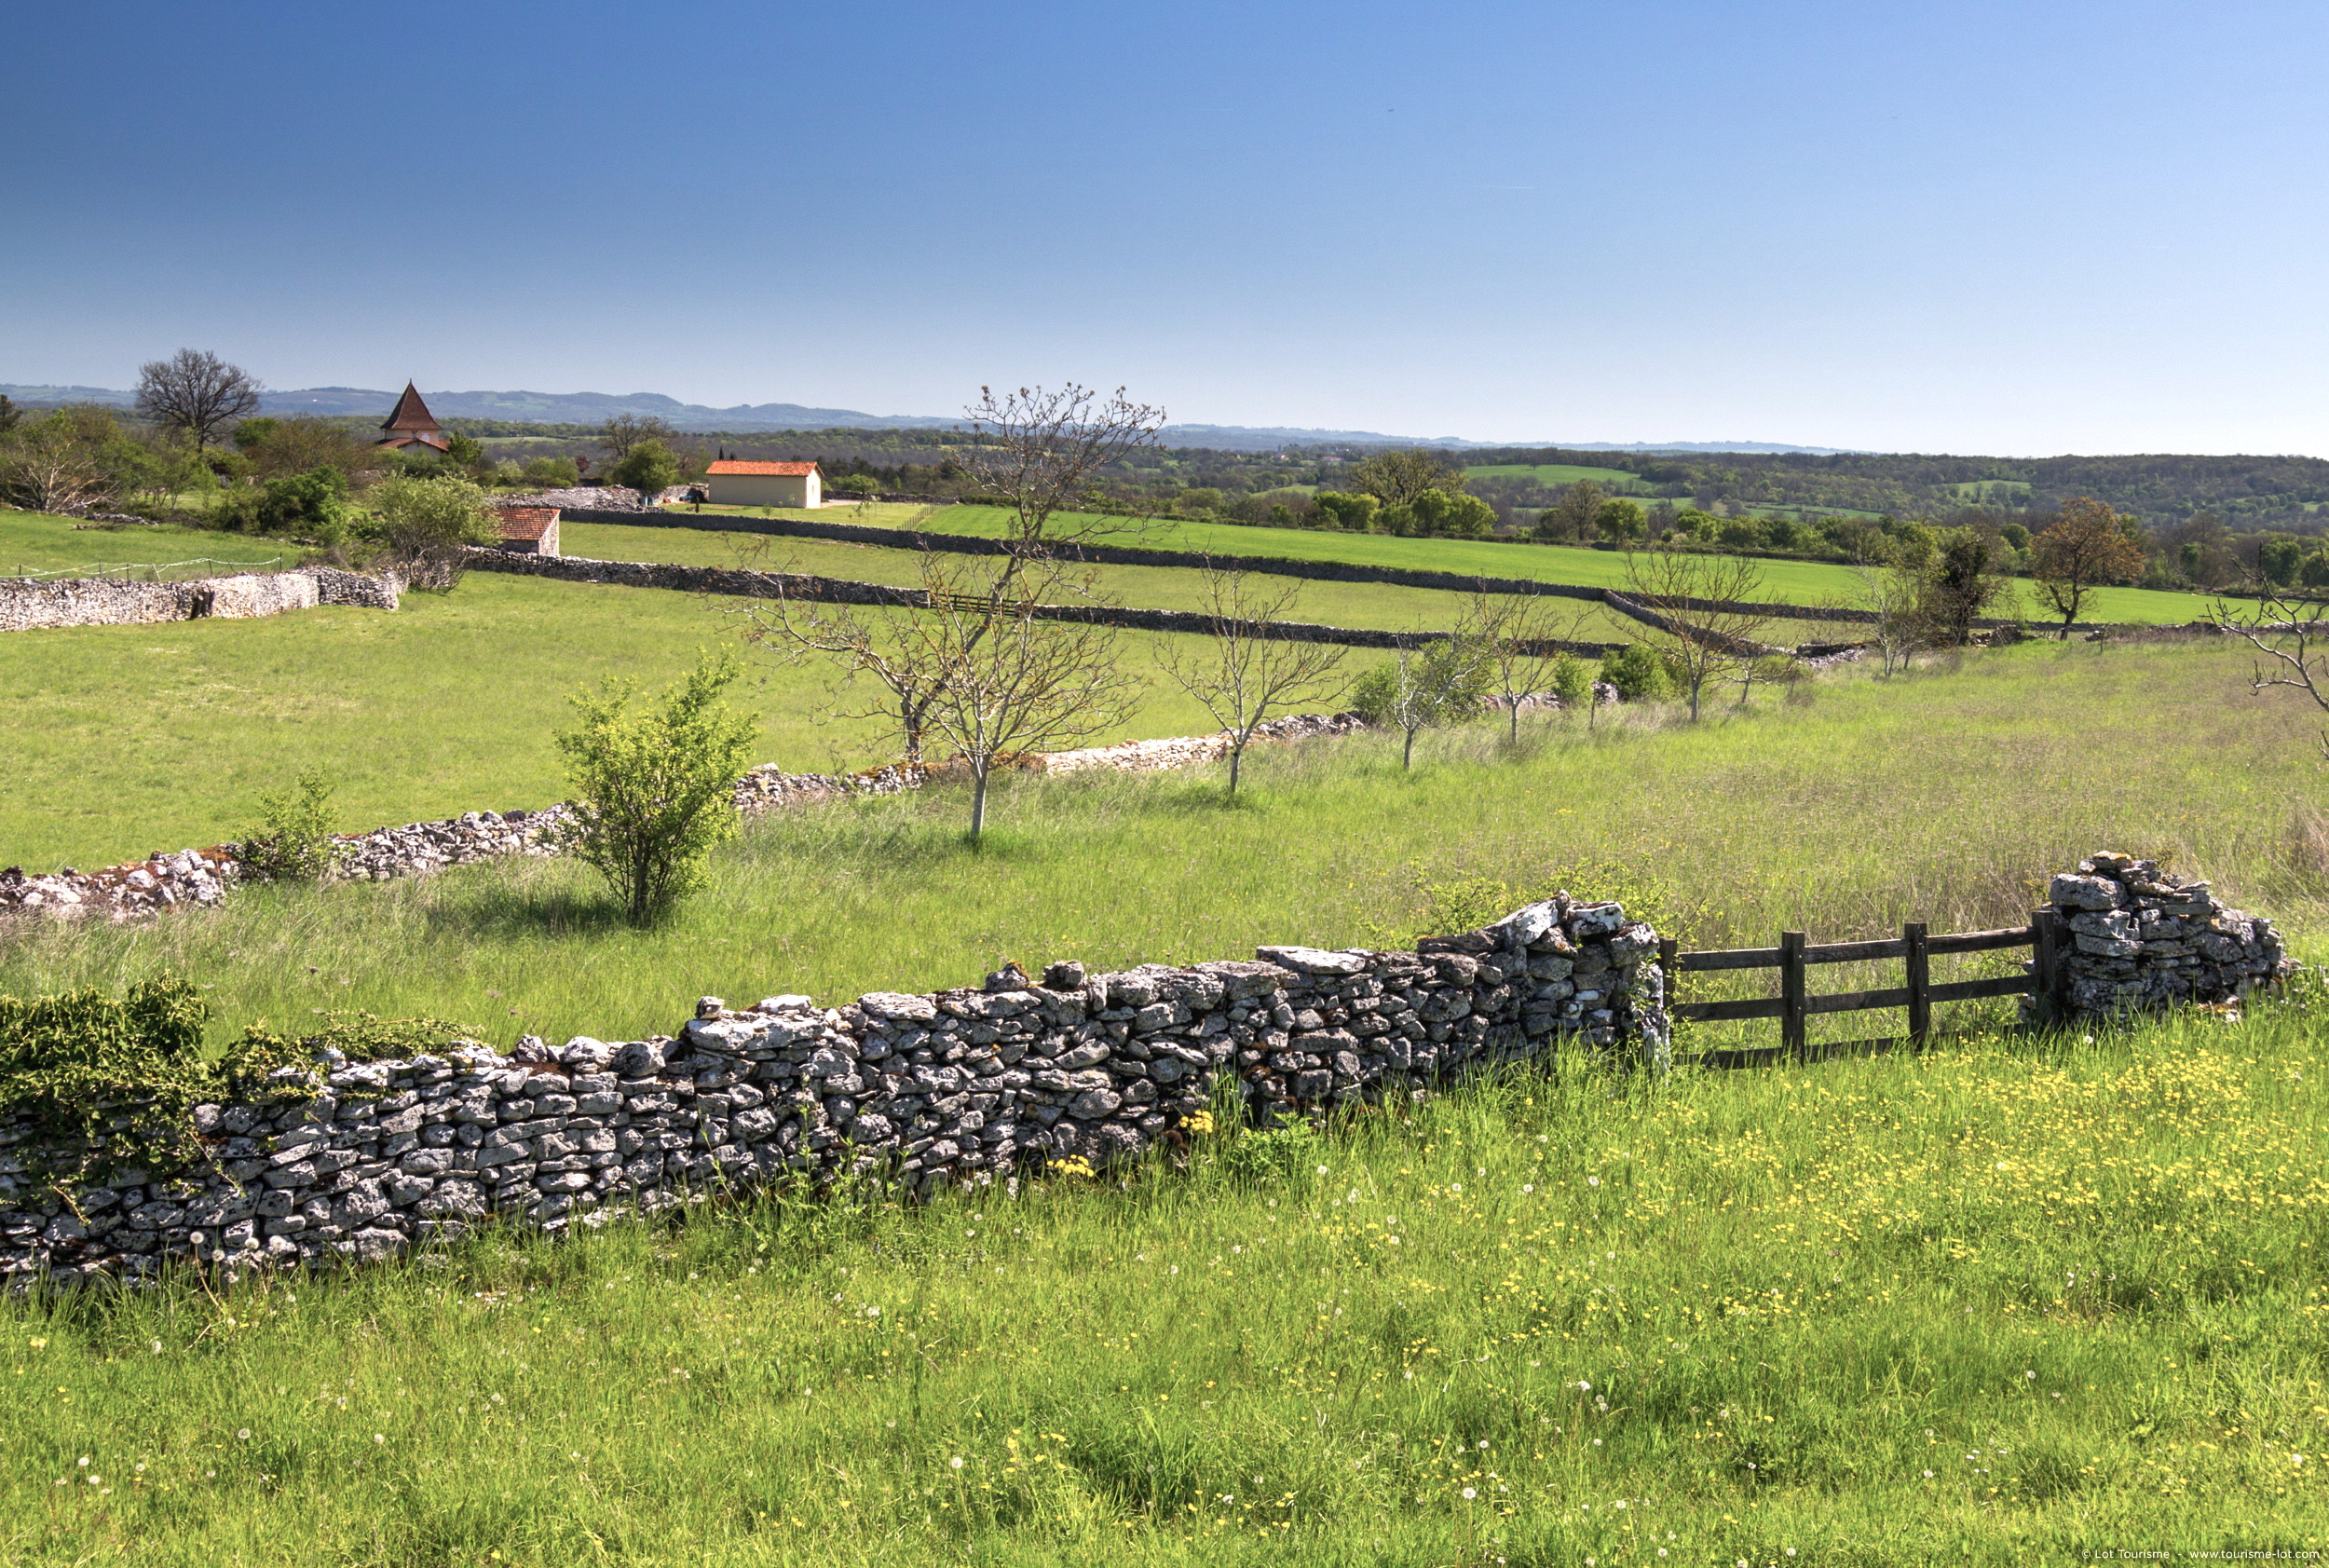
(1796, 582)
(123, 740)
(1615, 480)
(39, 543)
(1367, 604)
(2012, 1300)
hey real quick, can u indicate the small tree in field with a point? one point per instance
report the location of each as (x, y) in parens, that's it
(1572, 683)
(1707, 605)
(2087, 546)
(1015, 681)
(292, 840)
(1515, 634)
(655, 789)
(1423, 689)
(1247, 674)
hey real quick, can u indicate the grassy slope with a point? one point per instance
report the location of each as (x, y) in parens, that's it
(2082, 1288)
(125, 740)
(1940, 797)
(1369, 604)
(1797, 582)
(2004, 1304)
(39, 543)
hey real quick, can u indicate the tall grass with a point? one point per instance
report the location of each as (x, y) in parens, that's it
(2011, 1303)
(1946, 797)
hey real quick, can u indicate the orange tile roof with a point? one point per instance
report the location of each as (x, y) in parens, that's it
(791, 470)
(526, 521)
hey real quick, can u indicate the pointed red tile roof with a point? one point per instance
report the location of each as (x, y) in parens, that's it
(411, 415)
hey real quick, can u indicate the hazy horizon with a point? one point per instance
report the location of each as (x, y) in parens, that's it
(1988, 229)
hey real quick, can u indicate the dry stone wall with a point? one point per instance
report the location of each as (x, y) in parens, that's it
(27, 605)
(2144, 940)
(958, 1088)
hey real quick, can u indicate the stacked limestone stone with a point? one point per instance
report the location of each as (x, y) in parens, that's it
(964, 1087)
(2143, 939)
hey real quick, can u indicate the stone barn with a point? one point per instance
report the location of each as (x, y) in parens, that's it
(527, 531)
(735, 482)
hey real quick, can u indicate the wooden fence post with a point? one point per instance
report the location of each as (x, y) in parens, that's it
(1792, 993)
(2047, 971)
(1920, 975)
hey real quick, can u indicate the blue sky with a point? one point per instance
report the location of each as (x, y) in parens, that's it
(1976, 227)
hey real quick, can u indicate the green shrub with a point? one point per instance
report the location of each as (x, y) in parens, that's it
(423, 524)
(292, 841)
(650, 467)
(553, 473)
(1637, 672)
(655, 791)
(1573, 681)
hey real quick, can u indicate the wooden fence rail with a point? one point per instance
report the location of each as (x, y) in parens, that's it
(1794, 1006)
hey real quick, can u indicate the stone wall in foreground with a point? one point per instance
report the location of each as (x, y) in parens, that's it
(2144, 940)
(959, 1088)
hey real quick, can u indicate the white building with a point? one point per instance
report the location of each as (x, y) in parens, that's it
(732, 483)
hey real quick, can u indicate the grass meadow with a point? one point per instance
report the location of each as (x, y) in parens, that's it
(1794, 582)
(1946, 796)
(1369, 604)
(39, 543)
(2013, 1300)
(2021, 1301)
(1615, 480)
(447, 705)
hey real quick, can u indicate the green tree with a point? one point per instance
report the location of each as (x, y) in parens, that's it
(1955, 585)
(551, 473)
(1571, 681)
(650, 468)
(1355, 510)
(1447, 680)
(655, 789)
(1621, 521)
(1396, 477)
(422, 524)
(2086, 545)
(1573, 515)
(2277, 558)
(465, 451)
(1452, 514)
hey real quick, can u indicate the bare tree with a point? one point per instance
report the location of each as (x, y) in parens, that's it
(892, 648)
(2289, 637)
(974, 661)
(55, 463)
(1518, 635)
(1041, 450)
(197, 392)
(1247, 674)
(624, 431)
(1888, 596)
(1706, 620)
(1016, 683)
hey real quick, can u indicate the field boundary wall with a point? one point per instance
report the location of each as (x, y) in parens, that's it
(1274, 565)
(30, 604)
(957, 1088)
(795, 585)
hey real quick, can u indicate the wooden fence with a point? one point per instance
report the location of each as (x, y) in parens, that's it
(2047, 935)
